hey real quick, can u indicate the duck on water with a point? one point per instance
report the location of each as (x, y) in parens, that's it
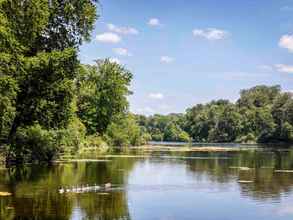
(83, 189)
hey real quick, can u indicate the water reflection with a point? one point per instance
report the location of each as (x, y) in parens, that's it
(35, 194)
(156, 186)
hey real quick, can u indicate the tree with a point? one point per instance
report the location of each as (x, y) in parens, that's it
(39, 43)
(282, 111)
(258, 96)
(261, 114)
(227, 126)
(173, 132)
(102, 94)
(8, 91)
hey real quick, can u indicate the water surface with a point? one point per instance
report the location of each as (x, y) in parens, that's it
(157, 186)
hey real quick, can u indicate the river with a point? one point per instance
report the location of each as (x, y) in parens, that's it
(250, 184)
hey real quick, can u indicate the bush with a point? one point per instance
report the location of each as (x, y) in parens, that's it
(157, 137)
(249, 139)
(93, 145)
(72, 139)
(126, 132)
(33, 143)
(287, 132)
(183, 137)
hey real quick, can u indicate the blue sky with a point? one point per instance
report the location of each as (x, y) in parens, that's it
(185, 52)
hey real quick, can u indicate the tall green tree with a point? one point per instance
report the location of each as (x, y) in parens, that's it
(102, 91)
(38, 45)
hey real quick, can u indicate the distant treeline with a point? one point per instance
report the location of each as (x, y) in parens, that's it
(262, 114)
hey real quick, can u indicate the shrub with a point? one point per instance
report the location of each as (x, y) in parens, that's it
(126, 132)
(33, 143)
(93, 145)
(249, 138)
(72, 138)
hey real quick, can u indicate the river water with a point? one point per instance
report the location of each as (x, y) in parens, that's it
(253, 184)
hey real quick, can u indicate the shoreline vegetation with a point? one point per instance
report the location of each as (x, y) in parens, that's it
(262, 114)
(52, 106)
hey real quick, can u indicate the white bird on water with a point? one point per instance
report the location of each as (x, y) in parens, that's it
(83, 189)
(108, 185)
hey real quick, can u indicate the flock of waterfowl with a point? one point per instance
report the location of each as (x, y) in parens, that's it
(84, 189)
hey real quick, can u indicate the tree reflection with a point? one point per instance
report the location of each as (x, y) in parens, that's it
(265, 182)
(35, 194)
(35, 188)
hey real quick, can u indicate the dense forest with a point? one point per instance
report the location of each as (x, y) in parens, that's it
(51, 104)
(262, 114)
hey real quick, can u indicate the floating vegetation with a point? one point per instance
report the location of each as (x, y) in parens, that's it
(241, 168)
(9, 207)
(5, 194)
(188, 149)
(81, 160)
(284, 171)
(126, 156)
(264, 167)
(165, 157)
(194, 158)
(245, 181)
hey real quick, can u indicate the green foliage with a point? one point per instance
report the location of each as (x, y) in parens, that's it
(227, 125)
(46, 90)
(102, 94)
(258, 96)
(164, 127)
(34, 143)
(125, 132)
(173, 132)
(249, 138)
(39, 40)
(8, 91)
(287, 132)
(72, 138)
(93, 145)
(261, 114)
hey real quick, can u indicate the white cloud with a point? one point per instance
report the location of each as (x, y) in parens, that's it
(114, 60)
(210, 33)
(122, 30)
(265, 67)
(122, 51)
(286, 8)
(145, 111)
(166, 59)
(286, 41)
(284, 68)
(108, 37)
(154, 22)
(158, 96)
